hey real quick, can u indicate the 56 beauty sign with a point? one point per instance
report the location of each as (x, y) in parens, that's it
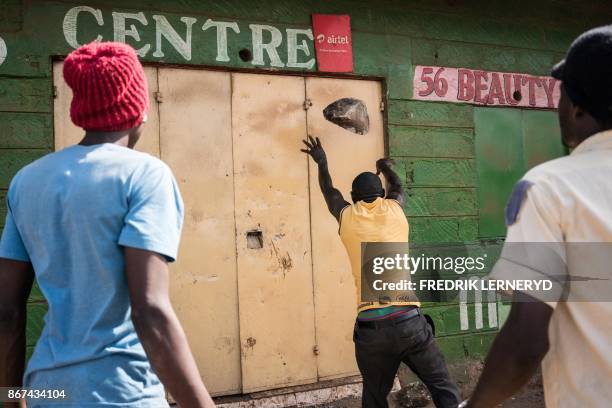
(463, 85)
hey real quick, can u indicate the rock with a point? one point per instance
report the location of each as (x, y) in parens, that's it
(350, 114)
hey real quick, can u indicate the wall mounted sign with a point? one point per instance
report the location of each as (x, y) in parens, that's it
(333, 43)
(174, 38)
(479, 87)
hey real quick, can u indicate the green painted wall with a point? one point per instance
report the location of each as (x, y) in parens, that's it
(441, 148)
(508, 143)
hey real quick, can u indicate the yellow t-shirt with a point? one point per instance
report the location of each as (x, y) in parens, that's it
(382, 220)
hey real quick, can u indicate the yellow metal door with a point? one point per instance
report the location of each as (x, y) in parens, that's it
(196, 142)
(66, 133)
(348, 154)
(258, 240)
(277, 332)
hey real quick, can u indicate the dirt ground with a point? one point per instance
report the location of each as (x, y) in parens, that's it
(527, 398)
(416, 396)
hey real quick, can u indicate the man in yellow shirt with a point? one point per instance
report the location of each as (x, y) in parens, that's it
(385, 333)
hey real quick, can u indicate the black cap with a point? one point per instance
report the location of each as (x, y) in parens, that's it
(367, 184)
(586, 72)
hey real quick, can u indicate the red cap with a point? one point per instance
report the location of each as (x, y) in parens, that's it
(109, 87)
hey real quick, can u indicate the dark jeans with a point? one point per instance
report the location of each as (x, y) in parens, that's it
(379, 352)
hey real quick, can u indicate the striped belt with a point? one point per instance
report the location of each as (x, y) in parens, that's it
(377, 324)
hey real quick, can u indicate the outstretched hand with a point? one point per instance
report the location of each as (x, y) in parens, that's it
(383, 164)
(315, 150)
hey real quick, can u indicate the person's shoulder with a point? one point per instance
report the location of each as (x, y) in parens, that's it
(392, 202)
(544, 183)
(148, 170)
(347, 208)
(143, 162)
(392, 206)
(551, 171)
(36, 167)
(150, 161)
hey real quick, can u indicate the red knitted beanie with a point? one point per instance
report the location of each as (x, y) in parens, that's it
(109, 87)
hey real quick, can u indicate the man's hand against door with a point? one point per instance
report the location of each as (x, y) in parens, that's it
(383, 164)
(315, 150)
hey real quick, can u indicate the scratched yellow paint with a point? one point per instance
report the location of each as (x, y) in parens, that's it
(66, 133)
(348, 154)
(196, 142)
(271, 188)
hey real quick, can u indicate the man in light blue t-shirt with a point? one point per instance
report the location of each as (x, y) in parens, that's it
(96, 224)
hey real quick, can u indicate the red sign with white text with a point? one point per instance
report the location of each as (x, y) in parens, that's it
(479, 87)
(333, 43)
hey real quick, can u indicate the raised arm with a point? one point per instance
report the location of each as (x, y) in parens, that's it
(333, 196)
(395, 190)
(159, 329)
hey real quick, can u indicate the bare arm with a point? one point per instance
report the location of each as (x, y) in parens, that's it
(15, 284)
(159, 329)
(333, 197)
(516, 353)
(395, 190)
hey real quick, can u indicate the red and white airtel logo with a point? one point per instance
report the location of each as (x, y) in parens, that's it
(333, 39)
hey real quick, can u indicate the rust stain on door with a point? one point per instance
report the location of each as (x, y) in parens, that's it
(271, 190)
(284, 260)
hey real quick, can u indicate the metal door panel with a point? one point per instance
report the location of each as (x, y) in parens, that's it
(348, 155)
(500, 163)
(66, 133)
(196, 142)
(271, 187)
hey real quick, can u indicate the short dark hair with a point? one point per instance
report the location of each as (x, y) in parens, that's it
(367, 185)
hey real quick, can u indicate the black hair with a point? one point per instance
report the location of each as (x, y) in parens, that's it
(367, 186)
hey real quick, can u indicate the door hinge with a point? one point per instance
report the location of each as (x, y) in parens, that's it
(315, 350)
(159, 97)
(382, 106)
(307, 104)
(54, 91)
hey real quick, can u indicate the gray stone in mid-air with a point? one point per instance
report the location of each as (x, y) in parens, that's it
(350, 114)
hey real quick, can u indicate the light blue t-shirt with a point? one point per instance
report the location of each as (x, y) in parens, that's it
(70, 214)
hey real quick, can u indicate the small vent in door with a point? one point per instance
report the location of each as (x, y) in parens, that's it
(254, 239)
